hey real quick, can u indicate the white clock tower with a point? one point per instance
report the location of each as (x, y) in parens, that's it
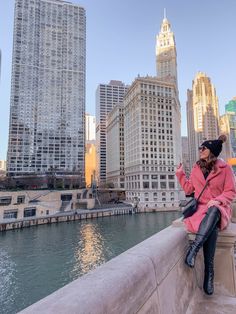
(166, 56)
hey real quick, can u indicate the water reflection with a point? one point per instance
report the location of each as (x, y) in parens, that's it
(34, 262)
(89, 252)
(8, 288)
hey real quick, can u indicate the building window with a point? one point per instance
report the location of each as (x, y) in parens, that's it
(66, 197)
(154, 185)
(163, 185)
(146, 197)
(9, 214)
(5, 200)
(146, 185)
(21, 199)
(29, 212)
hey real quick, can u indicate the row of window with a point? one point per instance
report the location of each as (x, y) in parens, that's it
(6, 200)
(28, 212)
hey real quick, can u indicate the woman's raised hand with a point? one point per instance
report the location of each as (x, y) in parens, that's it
(180, 168)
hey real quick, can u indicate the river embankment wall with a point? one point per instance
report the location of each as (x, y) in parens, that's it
(148, 278)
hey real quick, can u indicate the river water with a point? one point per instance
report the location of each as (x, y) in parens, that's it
(36, 261)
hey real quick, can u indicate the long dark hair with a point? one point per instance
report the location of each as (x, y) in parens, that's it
(209, 164)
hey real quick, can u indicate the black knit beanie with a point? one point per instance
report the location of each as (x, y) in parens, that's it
(215, 146)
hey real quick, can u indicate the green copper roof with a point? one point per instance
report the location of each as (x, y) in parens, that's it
(231, 106)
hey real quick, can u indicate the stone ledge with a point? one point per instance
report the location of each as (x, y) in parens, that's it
(230, 231)
(224, 259)
(202, 303)
(140, 280)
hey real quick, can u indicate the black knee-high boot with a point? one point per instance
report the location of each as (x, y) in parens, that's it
(206, 227)
(209, 248)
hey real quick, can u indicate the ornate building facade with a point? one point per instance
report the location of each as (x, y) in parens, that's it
(166, 55)
(152, 142)
(202, 114)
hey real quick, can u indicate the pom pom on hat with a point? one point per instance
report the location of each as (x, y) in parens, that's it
(222, 138)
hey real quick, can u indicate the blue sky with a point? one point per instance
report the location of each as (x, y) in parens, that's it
(121, 38)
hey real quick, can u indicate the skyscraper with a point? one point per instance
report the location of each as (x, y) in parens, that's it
(90, 127)
(152, 142)
(228, 127)
(47, 119)
(107, 96)
(115, 147)
(152, 138)
(203, 114)
(231, 105)
(90, 155)
(193, 153)
(166, 55)
(185, 154)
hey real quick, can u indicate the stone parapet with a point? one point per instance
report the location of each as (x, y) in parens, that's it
(225, 277)
(148, 278)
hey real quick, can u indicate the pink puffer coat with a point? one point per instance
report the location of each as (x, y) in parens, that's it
(221, 187)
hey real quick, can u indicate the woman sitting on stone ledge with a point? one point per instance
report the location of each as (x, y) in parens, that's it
(214, 211)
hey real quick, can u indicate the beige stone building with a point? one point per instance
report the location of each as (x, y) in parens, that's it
(90, 163)
(152, 124)
(42, 203)
(115, 147)
(152, 142)
(202, 114)
(90, 153)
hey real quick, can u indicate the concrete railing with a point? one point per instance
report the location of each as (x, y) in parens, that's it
(234, 211)
(148, 278)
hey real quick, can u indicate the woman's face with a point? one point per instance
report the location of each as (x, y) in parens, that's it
(204, 152)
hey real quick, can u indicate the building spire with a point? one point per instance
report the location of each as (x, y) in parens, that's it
(164, 13)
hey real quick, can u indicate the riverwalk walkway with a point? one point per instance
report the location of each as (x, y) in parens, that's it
(10, 224)
(66, 216)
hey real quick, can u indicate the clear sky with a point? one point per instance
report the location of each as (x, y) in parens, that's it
(121, 38)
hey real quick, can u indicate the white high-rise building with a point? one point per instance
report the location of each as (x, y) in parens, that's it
(152, 124)
(47, 114)
(152, 142)
(115, 147)
(203, 114)
(90, 127)
(107, 96)
(166, 55)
